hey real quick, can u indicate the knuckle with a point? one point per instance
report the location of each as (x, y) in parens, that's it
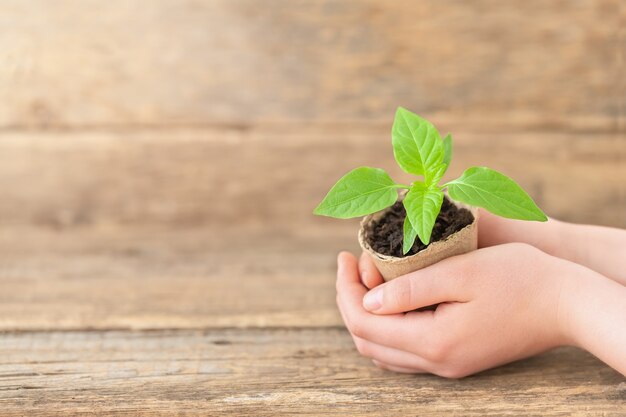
(353, 325)
(433, 354)
(348, 322)
(438, 349)
(362, 347)
(356, 328)
(400, 292)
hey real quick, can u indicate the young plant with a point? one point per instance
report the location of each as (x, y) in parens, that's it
(419, 150)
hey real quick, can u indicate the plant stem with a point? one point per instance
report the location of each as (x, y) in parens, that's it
(402, 186)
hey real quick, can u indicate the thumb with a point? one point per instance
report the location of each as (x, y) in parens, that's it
(442, 282)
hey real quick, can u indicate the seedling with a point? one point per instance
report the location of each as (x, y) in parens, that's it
(419, 150)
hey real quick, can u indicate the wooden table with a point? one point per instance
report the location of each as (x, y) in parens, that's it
(159, 166)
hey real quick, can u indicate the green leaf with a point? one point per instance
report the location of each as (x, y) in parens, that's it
(491, 190)
(409, 236)
(447, 149)
(417, 146)
(422, 206)
(360, 192)
(436, 174)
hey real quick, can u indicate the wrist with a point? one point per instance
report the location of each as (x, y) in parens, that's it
(595, 315)
(569, 297)
(556, 243)
(580, 287)
(585, 298)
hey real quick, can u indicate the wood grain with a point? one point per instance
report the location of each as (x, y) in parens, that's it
(162, 279)
(272, 177)
(530, 63)
(159, 165)
(198, 228)
(279, 372)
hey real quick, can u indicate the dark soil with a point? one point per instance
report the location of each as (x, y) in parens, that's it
(386, 234)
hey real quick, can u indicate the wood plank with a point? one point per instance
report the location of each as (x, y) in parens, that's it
(273, 176)
(530, 63)
(156, 279)
(277, 372)
(201, 228)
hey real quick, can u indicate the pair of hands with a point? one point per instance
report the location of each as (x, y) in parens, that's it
(520, 294)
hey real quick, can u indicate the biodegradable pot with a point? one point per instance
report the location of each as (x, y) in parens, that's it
(391, 267)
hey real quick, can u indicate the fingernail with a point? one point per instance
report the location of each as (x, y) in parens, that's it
(373, 300)
(364, 277)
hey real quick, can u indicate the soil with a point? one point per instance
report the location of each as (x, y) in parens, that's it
(385, 235)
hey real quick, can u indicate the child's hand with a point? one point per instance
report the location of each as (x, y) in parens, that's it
(498, 304)
(602, 249)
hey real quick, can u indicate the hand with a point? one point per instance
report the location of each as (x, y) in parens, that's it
(495, 230)
(498, 304)
(602, 249)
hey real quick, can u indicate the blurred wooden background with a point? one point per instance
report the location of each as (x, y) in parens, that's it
(159, 162)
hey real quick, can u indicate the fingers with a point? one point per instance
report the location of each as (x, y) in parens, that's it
(370, 276)
(386, 330)
(390, 356)
(438, 283)
(399, 369)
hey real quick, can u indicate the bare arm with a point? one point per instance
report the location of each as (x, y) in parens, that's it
(498, 304)
(596, 317)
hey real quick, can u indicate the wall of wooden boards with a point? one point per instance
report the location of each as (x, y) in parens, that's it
(159, 162)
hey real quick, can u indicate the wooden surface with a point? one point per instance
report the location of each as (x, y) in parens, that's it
(159, 165)
(279, 372)
(93, 62)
